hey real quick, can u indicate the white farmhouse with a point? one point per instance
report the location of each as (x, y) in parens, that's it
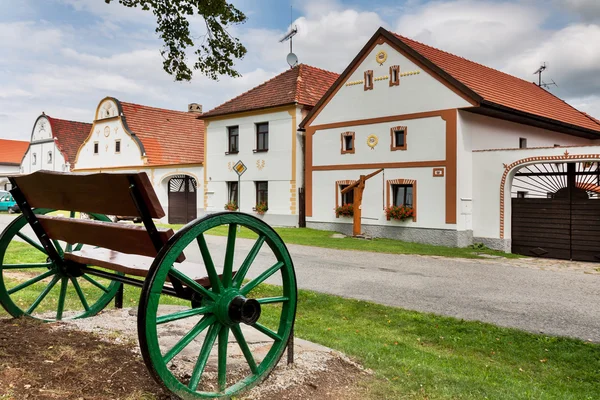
(260, 128)
(168, 145)
(54, 143)
(11, 154)
(476, 155)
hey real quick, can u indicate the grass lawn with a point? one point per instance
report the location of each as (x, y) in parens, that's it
(318, 238)
(425, 356)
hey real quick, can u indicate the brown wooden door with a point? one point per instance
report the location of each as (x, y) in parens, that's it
(182, 199)
(556, 211)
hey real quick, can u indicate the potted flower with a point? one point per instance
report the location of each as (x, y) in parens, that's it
(345, 210)
(399, 213)
(261, 208)
(231, 206)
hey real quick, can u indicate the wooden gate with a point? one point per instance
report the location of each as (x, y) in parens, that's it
(182, 199)
(556, 211)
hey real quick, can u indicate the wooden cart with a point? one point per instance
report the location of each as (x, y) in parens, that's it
(60, 265)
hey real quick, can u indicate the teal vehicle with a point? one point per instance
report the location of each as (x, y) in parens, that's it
(6, 201)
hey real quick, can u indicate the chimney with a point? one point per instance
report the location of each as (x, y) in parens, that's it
(195, 108)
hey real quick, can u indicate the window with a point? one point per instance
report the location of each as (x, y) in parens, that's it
(394, 75)
(95, 147)
(348, 197)
(262, 137)
(522, 143)
(118, 146)
(398, 138)
(402, 195)
(369, 80)
(49, 157)
(557, 145)
(232, 190)
(233, 134)
(262, 192)
(348, 142)
(521, 195)
(34, 159)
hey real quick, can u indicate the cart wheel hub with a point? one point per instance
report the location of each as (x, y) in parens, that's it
(244, 310)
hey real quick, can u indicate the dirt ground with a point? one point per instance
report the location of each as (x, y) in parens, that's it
(38, 361)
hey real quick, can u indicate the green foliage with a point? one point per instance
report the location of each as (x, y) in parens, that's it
(345, 210)
(231, 206)
(261, 208)
(478, 246)
(218, 49)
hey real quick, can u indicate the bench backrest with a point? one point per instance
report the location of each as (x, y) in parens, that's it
(102, 193)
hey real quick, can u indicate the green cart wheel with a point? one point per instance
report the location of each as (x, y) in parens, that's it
(32, 285)
(233, 332)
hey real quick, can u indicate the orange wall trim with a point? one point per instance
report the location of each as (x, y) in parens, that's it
(414, 164)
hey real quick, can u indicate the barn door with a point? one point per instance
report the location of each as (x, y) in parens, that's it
(182, 199)
(556, 211)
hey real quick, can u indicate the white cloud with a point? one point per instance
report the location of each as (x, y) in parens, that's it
(588, 10)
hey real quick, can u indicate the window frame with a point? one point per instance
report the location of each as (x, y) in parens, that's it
(390, 193)
(34, 159)
(49, 158)
(96, 148)
(230, 185)
(343, 137)
(368, 80)
(258, 191)
(394, 75)
(258, 133)
(237, 139)
(393, 130)
(522, 143)
(118, 146)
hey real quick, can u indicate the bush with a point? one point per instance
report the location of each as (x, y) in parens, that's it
(345, 210)
(399, 213)
(231, 206)
(261, 208)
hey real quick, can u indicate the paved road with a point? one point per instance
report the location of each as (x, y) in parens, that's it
(552, 302)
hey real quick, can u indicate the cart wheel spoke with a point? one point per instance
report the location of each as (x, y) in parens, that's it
(32, 242)
(241, 274)
(213, 277)
(78, 247)
(25, 266)
(61, 298)
(183, 314)
(95, 283)
(239, 337)
(192, 284)
(229, 254)
(269, 300)
(261, 278)
(267, 331)
(42, 295)
(59, 248)
(31, 282)
(222, 369)
(80, 294)
(187, 339)
(209, 341)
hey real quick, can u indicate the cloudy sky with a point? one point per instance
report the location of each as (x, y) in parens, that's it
(63, 56)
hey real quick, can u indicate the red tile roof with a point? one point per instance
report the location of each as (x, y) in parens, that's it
(302, 84)
(12, 151)
(168, 137)
(503, 89)
(69, 136)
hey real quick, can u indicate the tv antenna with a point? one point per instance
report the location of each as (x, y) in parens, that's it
(292, 59)
(541, 83)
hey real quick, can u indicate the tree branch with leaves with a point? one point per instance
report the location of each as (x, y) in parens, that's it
(218, 50)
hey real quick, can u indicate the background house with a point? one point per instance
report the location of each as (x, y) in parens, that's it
(168, 145)
(11, 154)
(432, 121)
(53, 145)
(260, 128)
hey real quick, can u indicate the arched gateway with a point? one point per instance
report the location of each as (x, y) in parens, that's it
(556, 210)
(182, 199)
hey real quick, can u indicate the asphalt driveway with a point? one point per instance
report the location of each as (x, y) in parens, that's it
(496, 291)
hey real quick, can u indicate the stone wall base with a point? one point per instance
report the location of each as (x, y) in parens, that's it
(494, 243)
(440, 237)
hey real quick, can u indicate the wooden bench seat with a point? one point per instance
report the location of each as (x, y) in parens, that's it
(132, 264)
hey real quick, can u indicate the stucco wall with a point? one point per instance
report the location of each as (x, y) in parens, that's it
(280, 166)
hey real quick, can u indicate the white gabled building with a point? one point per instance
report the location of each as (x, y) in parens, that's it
(452, 137)
(168, 145)
(53, 145)
(260, 128)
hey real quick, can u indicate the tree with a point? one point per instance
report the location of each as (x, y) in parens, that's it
(215, 55)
